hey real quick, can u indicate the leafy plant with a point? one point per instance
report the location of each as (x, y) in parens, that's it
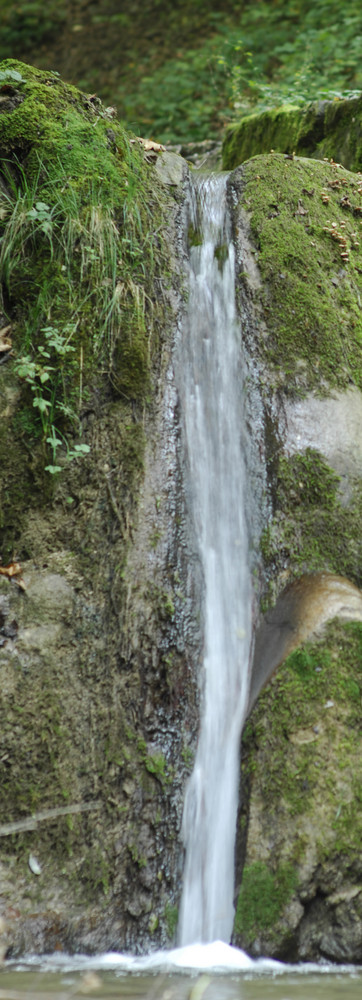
(47, 383)
(76, 244)
(12, 75)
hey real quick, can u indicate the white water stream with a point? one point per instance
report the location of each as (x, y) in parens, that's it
(212, 402)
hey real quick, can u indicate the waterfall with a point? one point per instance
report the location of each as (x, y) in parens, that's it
(211, 399)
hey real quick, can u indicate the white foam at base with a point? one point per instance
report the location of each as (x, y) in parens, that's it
(216, 957)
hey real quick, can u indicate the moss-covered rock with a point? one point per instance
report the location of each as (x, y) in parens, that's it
(304, 219)
(321, 129)
(302, 766)
(299, 828)
(95, 650)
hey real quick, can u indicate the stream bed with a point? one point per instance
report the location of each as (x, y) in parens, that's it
(198, 972)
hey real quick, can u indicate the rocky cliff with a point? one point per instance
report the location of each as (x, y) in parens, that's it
(99, 621)
(100, 586)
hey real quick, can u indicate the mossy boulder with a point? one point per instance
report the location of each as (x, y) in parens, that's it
(304, 220)
(321, 129)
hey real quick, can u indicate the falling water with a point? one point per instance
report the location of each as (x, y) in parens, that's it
(212, 402)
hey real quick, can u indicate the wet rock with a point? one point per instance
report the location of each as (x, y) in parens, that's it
(171, 169)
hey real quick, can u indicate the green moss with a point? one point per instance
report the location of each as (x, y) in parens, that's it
(77, 252)
(301, 756)
(305, 732)
(305, 223)
(262, 897)
(35, 771)
(312, 530)
(80, 258)
(319, 129)
(156, 764)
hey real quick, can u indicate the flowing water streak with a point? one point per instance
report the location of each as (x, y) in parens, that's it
(211, 395)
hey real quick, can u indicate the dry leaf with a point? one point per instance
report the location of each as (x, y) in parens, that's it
(13, 569)
(149, 144)
(5, 342)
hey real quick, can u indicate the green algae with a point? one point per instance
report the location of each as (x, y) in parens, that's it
(305, 221)
(319, 129)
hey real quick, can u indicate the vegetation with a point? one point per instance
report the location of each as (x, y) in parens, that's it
(77, 261)
(312, 529)
(181, 72)
(302, 753)
(171, 918)
(262, 897)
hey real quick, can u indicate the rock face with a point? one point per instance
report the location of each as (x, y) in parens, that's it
(101, 621)
(98, 654)
(298, 858)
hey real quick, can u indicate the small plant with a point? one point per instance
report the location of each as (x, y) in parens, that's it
(171, 919)
(46, 381)
(187, 755)
(11, 75)
(156, 764)
(41, 213)
(137, 858)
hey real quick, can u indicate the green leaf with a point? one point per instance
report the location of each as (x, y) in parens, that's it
(82, 448)
(53, 469)
(11, 74)
(42, 404)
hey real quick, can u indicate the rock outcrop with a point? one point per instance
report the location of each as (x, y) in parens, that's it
(298, 855)
(98, 716)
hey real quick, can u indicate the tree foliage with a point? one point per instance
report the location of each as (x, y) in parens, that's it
(180, 72)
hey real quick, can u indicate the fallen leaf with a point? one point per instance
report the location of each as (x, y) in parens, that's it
(5, 342)
(149, 144)
(13, 569)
